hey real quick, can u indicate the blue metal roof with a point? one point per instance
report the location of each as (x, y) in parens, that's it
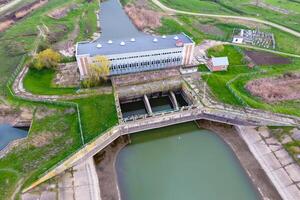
(219, 61)
(143, 42)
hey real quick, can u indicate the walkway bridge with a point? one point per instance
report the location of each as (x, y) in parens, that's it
(185, 114)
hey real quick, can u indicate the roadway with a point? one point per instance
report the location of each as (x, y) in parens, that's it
(272, 24)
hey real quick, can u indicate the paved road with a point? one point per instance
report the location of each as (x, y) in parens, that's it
(9, 5)
(280, 27)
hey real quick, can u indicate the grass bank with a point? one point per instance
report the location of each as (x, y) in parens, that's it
(217, 82)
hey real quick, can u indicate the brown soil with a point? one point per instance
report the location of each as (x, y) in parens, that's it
(265, 58)
(44, 138)
(209, 29)
(10, 19)
(143, 17)
(4, 1)
(61, 12)
(105, 166)
(256, 173)
(275, 89)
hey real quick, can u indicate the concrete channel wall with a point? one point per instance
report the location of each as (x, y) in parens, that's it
(186, 114)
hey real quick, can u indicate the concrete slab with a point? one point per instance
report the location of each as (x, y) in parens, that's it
(29, 196)
(286, 139)
(294, 171)
(261, 147)
(47, 195)
(272, 141)
(296, 134)
(65, 180)
(264, 133)
(252, 135)
(275, 147)
(283, 157)
(294, 191)
(82, 192)
(65, 194)
(271, 161)
(283, 177)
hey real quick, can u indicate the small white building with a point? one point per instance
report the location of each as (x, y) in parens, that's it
(238, 39)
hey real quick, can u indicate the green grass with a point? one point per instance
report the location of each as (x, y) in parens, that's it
(234, 56)
(19, 33)
(285, 107)
(40, 82)
(217, 82)
(29, 160)
(98, 113)
(242, 7)
(8, 179)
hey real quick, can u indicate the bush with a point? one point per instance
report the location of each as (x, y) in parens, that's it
(46, 59)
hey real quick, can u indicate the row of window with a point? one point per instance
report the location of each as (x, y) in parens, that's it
(148, 63)
(142, 56)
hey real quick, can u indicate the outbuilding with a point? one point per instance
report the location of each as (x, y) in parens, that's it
(217, 64)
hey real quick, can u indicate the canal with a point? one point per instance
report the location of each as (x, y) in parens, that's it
(115, 23)
(8, 134)
(181, 162)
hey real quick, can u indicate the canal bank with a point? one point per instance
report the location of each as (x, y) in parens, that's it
(227, 133)
(255, 172)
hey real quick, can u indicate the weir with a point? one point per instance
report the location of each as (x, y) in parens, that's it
(147, 104)
(173, 100)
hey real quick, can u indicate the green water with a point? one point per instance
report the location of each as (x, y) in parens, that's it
(161, 104)
(181, 162)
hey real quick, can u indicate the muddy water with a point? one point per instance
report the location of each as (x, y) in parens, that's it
(181, 162)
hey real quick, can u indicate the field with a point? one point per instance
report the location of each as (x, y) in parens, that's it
(54, 133)
(244, 8)
(21, 38)
(276, 89)
(40, 82)
(226, 86)
(265, 58)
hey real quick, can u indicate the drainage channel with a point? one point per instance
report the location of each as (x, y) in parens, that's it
(153, 103)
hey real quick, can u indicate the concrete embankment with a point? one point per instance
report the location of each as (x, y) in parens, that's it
(256, 173)
(105, 166)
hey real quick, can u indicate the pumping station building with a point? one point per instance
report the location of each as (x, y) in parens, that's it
(137, 54)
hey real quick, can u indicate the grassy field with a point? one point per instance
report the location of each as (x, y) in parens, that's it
(217, 82)
(21, 38)
(40, 82)
(98, 113)
(56, 135)
(244, 8)
(45, 146)
(206, 28)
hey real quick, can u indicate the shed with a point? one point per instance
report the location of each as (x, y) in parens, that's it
(217, 63)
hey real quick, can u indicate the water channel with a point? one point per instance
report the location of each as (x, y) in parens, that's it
(115, 23)
(8, 134)
(181, 162)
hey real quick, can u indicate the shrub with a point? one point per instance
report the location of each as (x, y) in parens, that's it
(46, 59)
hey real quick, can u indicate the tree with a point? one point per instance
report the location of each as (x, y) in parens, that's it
(98, 72)
(46, 59)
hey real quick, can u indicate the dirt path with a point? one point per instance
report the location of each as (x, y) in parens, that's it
(280, 27)
(258, 176)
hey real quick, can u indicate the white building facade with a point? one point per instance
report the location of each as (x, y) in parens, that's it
(137, 54)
